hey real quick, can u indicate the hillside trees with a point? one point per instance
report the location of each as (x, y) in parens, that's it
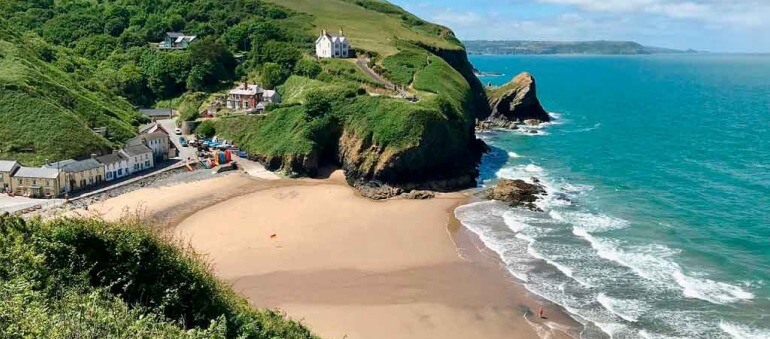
(116, 38)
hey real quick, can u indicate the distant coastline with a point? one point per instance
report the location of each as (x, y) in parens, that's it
(523, 47)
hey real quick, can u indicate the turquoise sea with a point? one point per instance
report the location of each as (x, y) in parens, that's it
(657, 218)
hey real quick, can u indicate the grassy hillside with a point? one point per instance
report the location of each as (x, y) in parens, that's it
(44, 112)
(378, 136)
(372, 24)
(79, 278)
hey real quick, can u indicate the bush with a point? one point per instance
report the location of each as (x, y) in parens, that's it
(206, 129)
(69, 278)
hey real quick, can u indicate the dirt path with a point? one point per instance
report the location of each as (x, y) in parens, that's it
(363, 64)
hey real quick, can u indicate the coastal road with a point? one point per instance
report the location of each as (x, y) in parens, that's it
(184, 152)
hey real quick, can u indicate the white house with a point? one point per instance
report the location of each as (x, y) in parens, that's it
(175, 40)
(115, 165)
(162, 148)
(140, 157)
(330, 46)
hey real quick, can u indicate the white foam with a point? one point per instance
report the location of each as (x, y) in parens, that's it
(650, 262)
(629, 310)
(709, 290)
(562, 268)
(743, 332)
(590, 222)
(513, 155)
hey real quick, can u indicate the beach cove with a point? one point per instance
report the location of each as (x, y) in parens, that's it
(344, 265)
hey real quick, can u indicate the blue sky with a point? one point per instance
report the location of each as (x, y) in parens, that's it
(712, 25)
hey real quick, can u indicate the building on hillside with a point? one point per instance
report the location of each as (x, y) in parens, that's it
(332, 46)
(175, 40)
(271, 97)
(157, 113)
(115, 165)
(38, 182)
(82, 174)
(158, 141)
(245, 97)
(140, 157)
(7, 169)
(152, 128)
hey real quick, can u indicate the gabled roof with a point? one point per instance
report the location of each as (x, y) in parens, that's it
(153, 128)
(137, 149)
(8, 165)
(34, 172)
(269, 93)
(59, 164)
(111, 158)
(82, 165)
(246, 90)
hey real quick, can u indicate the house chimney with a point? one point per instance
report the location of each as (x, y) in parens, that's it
(115, 151)
(341, 33)
(323, 32)
(93, 155)
(246, 85)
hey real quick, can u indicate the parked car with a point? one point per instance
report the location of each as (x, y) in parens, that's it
(178, 131)
(183, 142)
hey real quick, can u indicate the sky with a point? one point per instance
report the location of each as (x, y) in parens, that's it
(708, 25)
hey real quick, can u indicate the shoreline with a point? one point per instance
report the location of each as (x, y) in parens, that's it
(420, 281)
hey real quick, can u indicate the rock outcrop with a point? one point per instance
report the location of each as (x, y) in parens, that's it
(516, 102)
(517, 193)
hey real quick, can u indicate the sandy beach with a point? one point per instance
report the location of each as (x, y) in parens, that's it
(346, 266)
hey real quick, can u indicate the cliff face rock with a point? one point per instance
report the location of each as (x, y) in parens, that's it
(382, 173)
(516, 102)
(517, 193)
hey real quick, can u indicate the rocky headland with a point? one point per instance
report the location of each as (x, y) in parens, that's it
(513, 104)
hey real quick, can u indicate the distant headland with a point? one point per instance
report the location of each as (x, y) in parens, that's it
(502, 47)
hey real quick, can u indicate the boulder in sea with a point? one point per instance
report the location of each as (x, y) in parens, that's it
(517, 101)
(517, 193)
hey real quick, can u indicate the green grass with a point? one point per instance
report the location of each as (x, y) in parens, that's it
(368, 29)
(400, 68)
(339, 70)
(45, 113)
(87, 278)
(282, 132)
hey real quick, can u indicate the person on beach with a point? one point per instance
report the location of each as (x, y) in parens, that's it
(541, 312)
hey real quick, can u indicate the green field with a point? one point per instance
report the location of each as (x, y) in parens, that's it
(369, 30)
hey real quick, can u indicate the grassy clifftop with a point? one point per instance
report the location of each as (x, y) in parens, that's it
(375, 134)
(44, 112)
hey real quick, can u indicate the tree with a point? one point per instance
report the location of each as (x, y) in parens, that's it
(272, 75)
(206, 128)
(307, 67)
(318, 103)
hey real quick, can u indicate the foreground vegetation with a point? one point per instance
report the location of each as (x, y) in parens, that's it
(78, 278)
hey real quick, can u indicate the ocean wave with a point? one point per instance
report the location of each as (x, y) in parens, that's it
(653, 263)
(587, 129)
(513, 155)
(743, 332)
(650, 262)
(627, 309)
(709, 290)
(590, 222)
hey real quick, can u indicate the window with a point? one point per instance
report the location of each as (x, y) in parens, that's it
(120, 171)
(147, 163)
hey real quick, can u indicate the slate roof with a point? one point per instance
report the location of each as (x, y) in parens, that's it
(249, 90)
(34, 172)
(82, 165)
(110, 158)
(60, 164)
(137, 149)
(156, 112)
(7, 165)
